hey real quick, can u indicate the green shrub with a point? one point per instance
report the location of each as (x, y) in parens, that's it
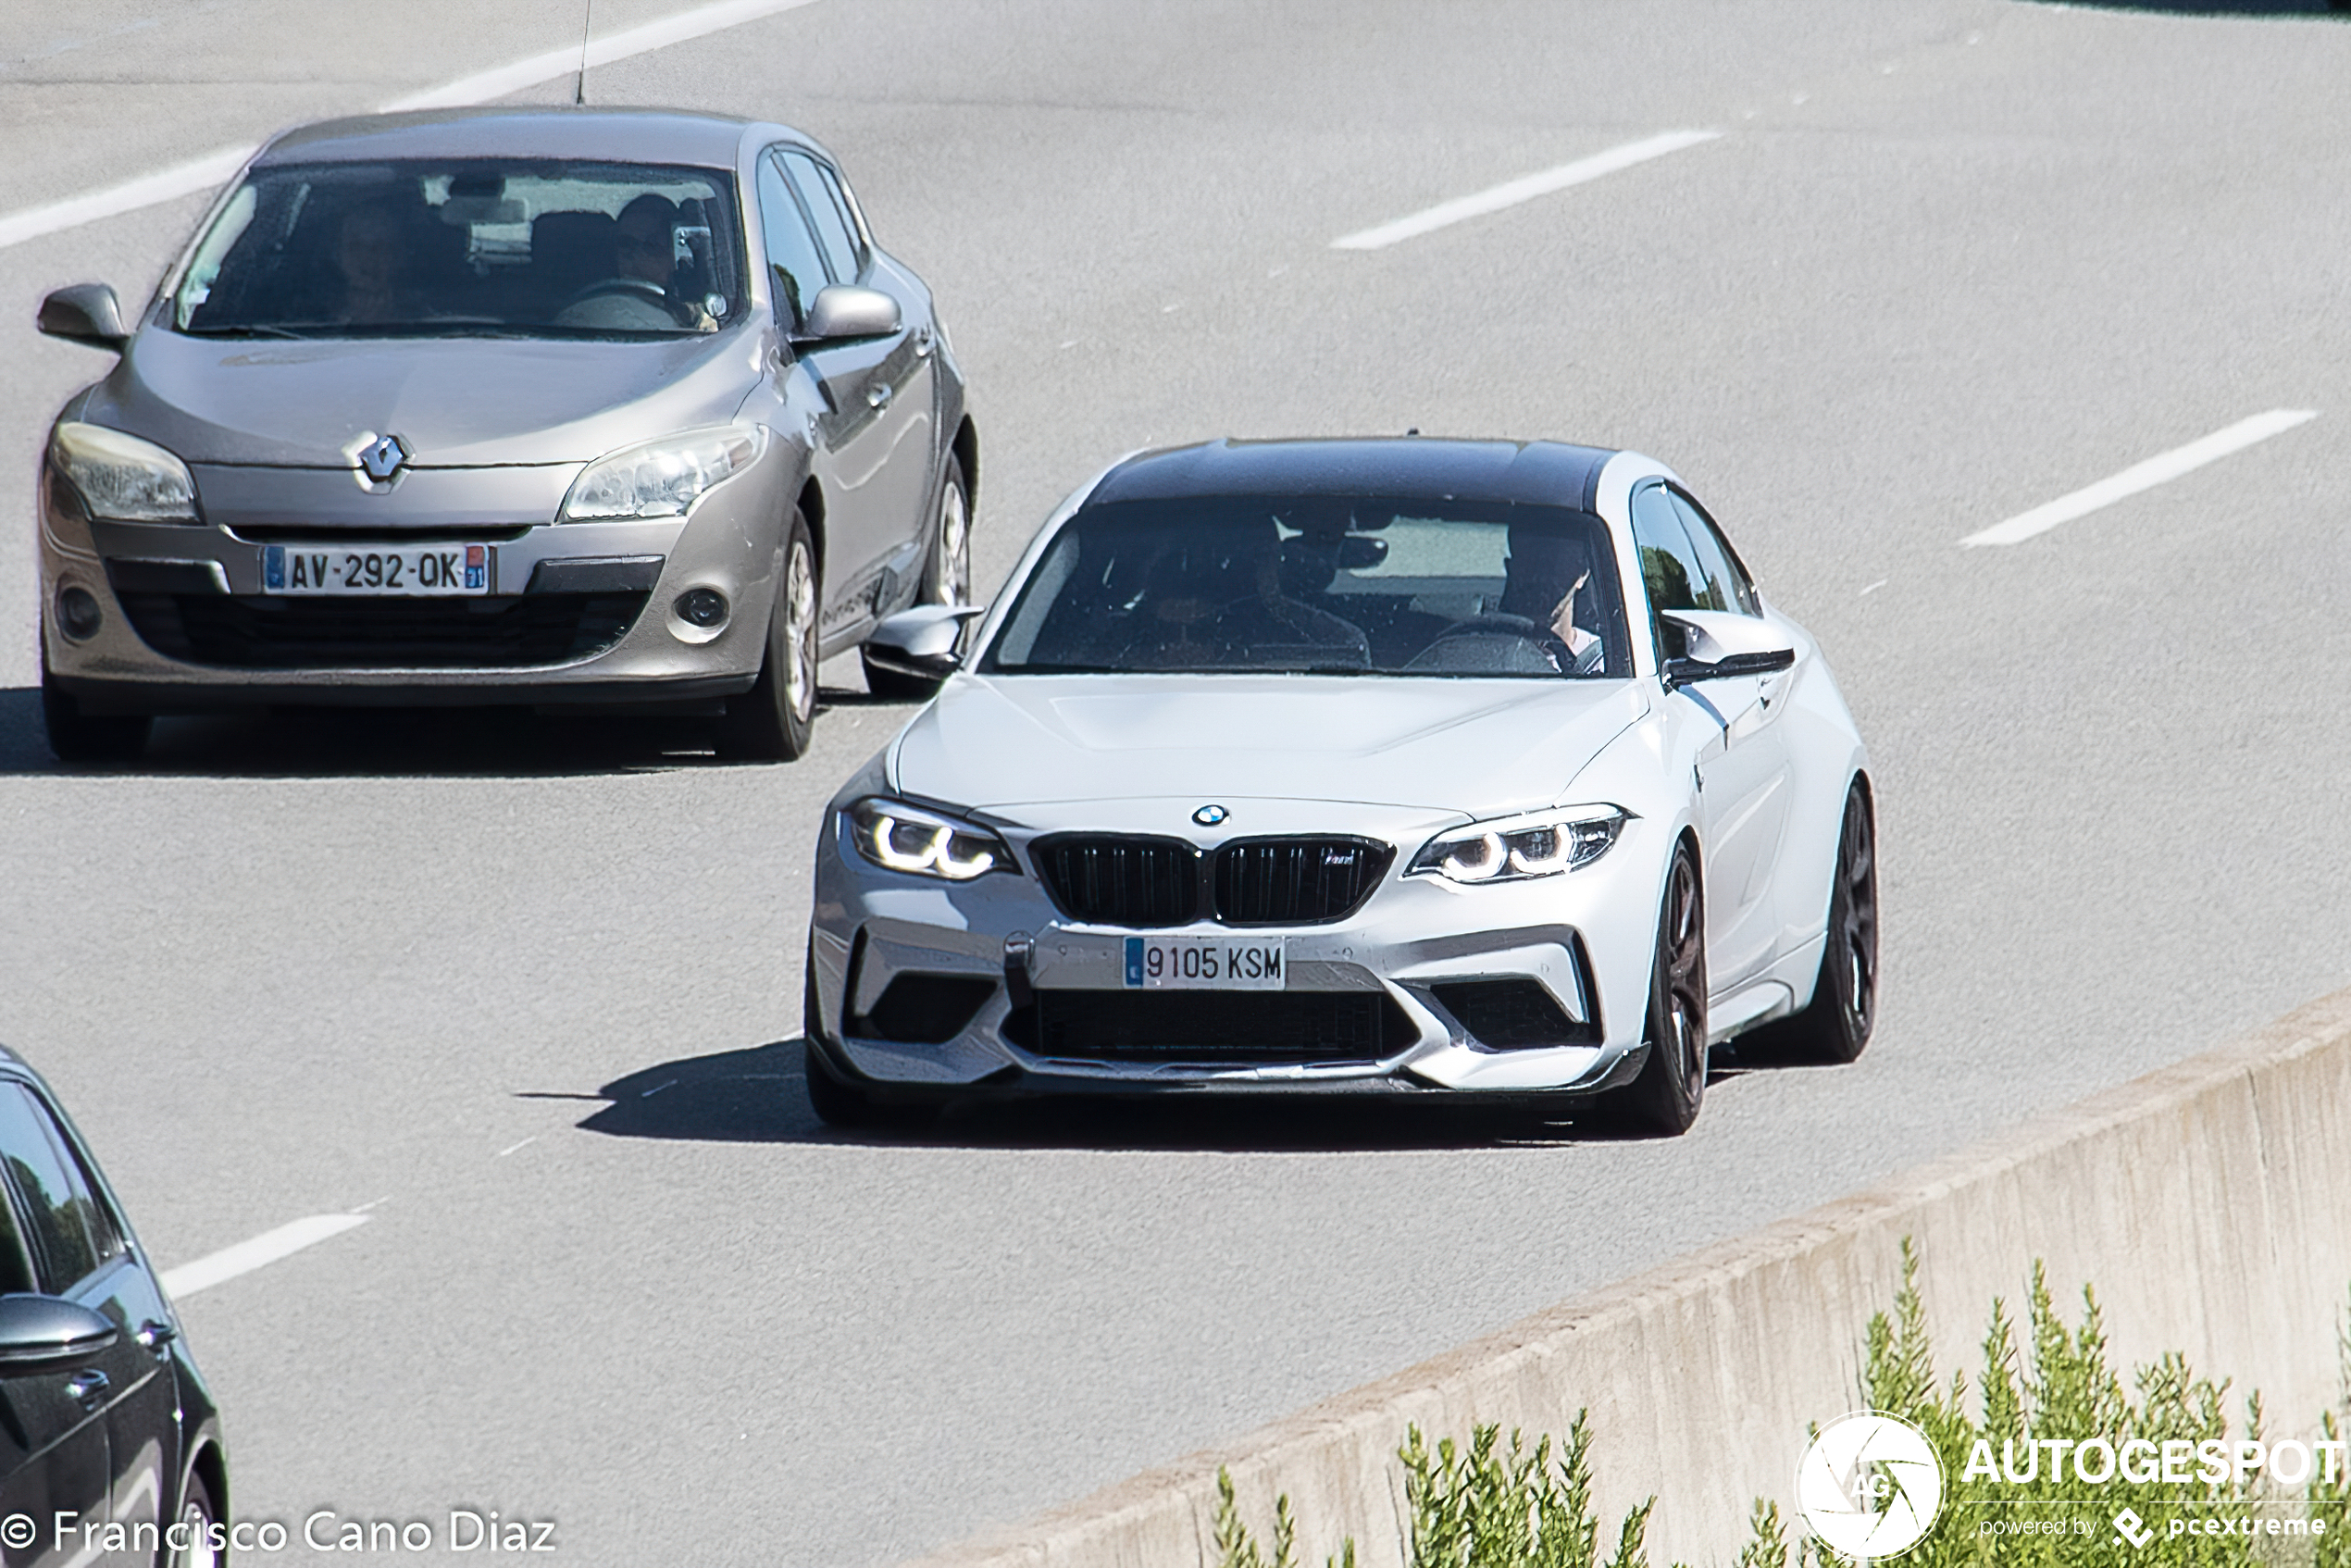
(1482, 1505)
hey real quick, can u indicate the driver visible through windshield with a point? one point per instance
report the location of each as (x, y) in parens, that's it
(466, 248)
(1339, 585)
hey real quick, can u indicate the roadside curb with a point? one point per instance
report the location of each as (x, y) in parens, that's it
(2195, 1198)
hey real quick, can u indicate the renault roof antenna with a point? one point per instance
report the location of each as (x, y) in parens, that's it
(580, 79)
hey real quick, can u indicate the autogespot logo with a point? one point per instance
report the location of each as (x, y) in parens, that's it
(1869, 1486)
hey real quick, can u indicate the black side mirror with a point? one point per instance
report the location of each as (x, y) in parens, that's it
(86, 312)
(843, 312)
(44, 1333)
(921, 643)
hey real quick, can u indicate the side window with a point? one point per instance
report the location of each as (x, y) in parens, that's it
(1734, 587)
(1670, 570)
(796, 269)
(16, 1263)
(826, 209)
(71, 1232)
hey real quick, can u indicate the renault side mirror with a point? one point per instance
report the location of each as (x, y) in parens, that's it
(843, 312)
(86, 312)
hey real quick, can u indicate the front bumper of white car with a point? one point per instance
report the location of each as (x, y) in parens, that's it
(925, 988)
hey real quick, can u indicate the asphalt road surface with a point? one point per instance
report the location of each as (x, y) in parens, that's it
(526, 996)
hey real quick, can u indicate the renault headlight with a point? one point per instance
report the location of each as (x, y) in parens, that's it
(120, 477)
(1513, 849)
(898, 836)
(661, 479)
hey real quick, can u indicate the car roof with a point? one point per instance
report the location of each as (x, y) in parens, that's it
(657, 136)
(1539, 473)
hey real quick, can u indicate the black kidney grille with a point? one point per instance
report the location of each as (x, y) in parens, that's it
(259, 632)
(1107, 881)
(1220, 1025)
(1296, 881)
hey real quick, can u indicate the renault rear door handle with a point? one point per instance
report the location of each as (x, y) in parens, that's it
(878, 395)
(88, 1385)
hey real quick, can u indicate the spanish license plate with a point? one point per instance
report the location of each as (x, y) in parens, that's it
(1206, 963)
(403, 570)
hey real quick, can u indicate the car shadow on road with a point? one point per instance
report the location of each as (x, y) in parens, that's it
(362, 742)
(760, 1096)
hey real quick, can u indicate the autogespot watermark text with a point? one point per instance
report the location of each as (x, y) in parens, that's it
(2177, 1462)
(322, 1530)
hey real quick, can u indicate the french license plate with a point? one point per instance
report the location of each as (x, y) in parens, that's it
(401, 571)
(1209, 964)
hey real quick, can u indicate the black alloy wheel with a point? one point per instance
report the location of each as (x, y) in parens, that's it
(1836, 1025)
(79, 737)
(947, 579)
(773, 721)
(1664, 1100)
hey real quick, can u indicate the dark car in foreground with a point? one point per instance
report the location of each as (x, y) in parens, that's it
(539, 406)
(110, 1447)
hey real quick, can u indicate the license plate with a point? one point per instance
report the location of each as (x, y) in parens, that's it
(401, 571)
(1206, 963)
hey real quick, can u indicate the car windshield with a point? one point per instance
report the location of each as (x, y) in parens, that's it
(460, 247)
(1341, 585)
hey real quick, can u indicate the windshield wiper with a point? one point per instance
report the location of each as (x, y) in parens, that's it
(258, 329)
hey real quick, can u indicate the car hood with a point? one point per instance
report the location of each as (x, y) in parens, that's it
(1477, 747)
(455, 401)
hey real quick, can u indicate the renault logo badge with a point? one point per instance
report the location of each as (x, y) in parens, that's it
(1209, 816)
(383, 458)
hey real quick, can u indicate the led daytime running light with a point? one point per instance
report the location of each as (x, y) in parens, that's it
(905, 839)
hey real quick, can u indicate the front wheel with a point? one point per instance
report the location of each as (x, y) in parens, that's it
(773, 721)
(1836, 1025)
(194, 1546)
(1665, 1098)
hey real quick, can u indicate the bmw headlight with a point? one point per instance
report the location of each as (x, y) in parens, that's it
(120, 477)
(661, 479)
(1513, 849)
(898, 836)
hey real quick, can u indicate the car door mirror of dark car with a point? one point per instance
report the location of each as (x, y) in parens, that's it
(45, 1333)
(86, 312)
(844, 313)
(923, 643)
(1719, 643)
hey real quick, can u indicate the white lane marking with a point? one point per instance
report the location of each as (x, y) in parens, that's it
(700, 22)
(261, 1251)
(2161, 469)
(1511, 192)
(214, 168)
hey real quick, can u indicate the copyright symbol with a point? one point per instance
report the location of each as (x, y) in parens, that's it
(17, 1530)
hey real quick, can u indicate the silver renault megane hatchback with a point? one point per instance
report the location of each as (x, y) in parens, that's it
(615, 407)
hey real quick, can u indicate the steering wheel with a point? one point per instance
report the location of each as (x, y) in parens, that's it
(1494, 624)
(641, 287)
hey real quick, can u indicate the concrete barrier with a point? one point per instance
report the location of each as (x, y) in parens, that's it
(2199, 1200)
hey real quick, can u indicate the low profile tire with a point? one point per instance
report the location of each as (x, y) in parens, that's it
(947, 579)
(773, 721)
(198, 1515)
(1835, 1027)
(78, 737)
(1664, 1100)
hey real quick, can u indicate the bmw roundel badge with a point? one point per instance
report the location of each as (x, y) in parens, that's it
(1209, 816)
